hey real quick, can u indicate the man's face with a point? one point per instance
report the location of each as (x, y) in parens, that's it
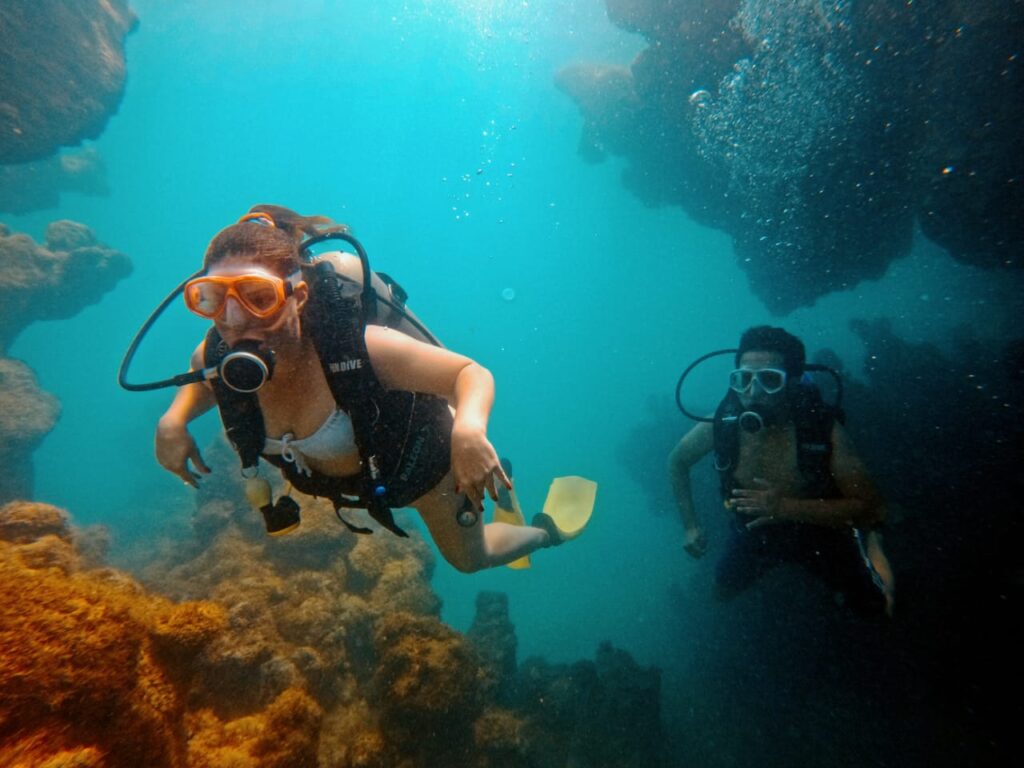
(755, 394)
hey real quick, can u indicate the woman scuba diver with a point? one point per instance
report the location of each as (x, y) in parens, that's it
(363, 414)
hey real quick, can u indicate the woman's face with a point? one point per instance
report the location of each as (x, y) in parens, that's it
(236, 322)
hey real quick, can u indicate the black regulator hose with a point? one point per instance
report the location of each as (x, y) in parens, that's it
(809, 367)
(175, 381)
(369, 294)
(368, 297)
(682, 378)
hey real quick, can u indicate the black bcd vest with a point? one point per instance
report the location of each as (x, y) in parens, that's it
(813, 420)
(394, 430)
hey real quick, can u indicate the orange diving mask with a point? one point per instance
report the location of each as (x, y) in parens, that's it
(260, 295)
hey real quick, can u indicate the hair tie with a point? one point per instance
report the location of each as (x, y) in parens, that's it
(259, 217)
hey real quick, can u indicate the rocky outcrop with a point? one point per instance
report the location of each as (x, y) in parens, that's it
(603, 713)
(27, 414)
(41, 282)
(319, 649)
(942, 430)
(494, 637)
(55, 280)
(39, 185)
(62, 73)
(818, 134)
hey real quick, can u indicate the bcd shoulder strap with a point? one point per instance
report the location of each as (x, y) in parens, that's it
(813, 420)
(335, 319)
(239, 411)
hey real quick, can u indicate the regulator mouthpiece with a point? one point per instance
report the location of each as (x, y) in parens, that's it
(247, 367)
(751, 421)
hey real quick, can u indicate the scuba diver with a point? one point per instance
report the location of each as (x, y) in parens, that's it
(318, 368)
(788, 472)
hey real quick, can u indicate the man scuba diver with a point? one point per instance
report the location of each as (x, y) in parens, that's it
(797, 491)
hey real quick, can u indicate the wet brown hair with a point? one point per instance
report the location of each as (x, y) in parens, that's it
(764, 338)
(276, 248)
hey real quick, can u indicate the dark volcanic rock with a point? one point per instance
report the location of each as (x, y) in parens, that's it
(817, 134)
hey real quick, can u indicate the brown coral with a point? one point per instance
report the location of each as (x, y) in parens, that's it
(49, 282)
(430, 688)
(27, 414)
(62, 73)
(82, 679)
(35, 186)
(55, 280)
(75, 667)
(286, 735)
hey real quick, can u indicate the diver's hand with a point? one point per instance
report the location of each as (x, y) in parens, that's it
(763, 503)
(475, 465)
(696, 543)
(175, 448)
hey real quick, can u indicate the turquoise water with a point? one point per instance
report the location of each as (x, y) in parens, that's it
(436, 132)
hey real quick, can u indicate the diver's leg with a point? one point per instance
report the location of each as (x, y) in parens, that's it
(741, 564)
(840, 558)
(472, 548)
(879, 561)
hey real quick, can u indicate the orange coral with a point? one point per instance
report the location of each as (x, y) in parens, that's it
(74, 672)
(430, 686)
(82, 677)
(285, 735)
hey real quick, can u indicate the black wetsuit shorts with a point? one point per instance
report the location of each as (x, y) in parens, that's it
(417, 456)
(834, 555)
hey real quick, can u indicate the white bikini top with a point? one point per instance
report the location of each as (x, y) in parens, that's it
(334, 438)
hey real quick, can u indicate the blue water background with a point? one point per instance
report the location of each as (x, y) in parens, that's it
(436, 131)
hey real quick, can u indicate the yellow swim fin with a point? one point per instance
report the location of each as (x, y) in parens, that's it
(569, 505)
(507, 510)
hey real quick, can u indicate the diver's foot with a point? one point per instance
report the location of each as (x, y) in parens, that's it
(546, 524)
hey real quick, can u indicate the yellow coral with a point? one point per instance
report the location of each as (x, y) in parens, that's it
(82, 678)
(285, 735)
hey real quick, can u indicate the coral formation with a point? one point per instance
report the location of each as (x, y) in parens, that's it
(41, 282)
(62, 73)
(34, 186)
(83, 668)
(27, 414)
(352, 621)
(602, 713)
(319, 649)
(816, 133)
(494, 636)
(55, 280)
(428, 688)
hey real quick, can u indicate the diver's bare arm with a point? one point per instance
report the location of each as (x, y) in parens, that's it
(403, 363)
(695, 444)
(191, 402)
(176, 450)
(860, 504)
